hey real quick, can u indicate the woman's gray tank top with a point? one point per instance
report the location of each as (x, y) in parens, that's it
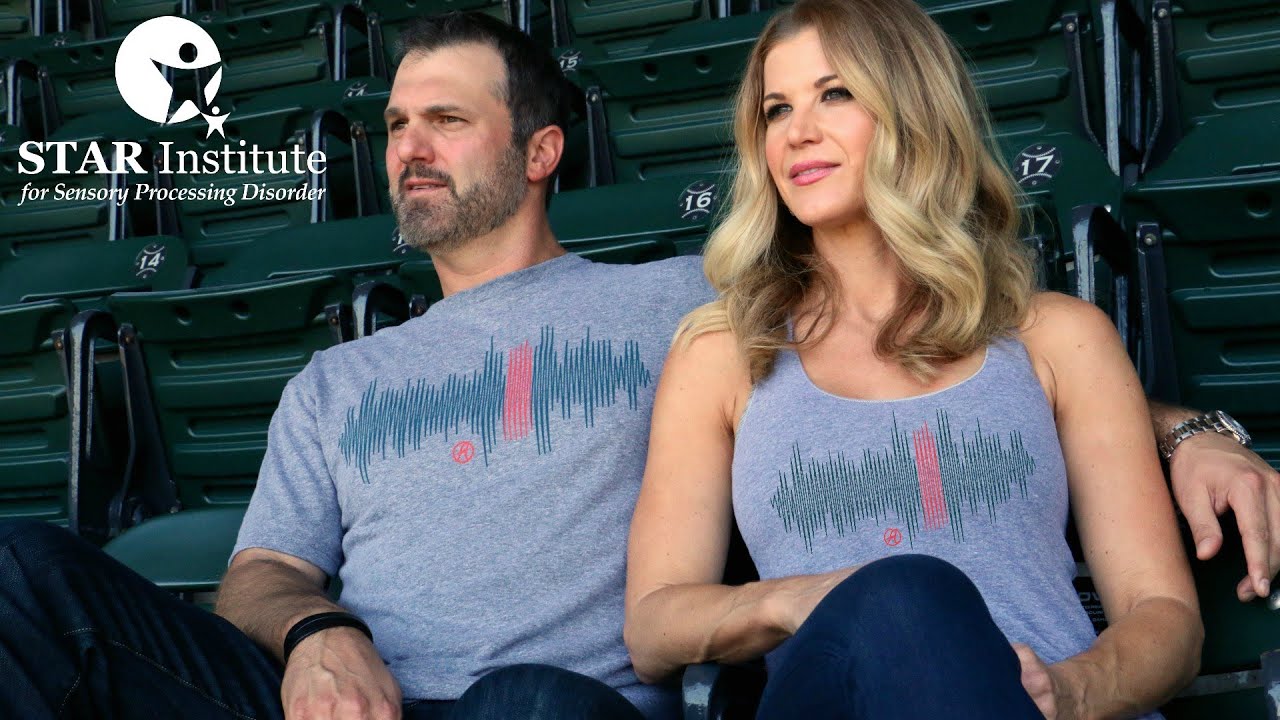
(972, 474)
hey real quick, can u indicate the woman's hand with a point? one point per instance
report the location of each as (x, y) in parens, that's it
(1046, 687)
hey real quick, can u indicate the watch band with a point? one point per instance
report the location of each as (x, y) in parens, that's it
(1216, 421)
(312, 624)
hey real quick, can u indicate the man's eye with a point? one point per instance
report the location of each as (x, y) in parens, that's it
(774, 111)
(450, 119)
(395, 125)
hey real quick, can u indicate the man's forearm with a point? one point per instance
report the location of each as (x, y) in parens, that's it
(265, 598)
(1164, 417)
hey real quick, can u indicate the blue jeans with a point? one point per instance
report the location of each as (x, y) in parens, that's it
(82, 636)
(904, 637)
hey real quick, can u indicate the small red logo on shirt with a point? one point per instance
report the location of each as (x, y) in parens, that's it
(893, 537)
(463, 452)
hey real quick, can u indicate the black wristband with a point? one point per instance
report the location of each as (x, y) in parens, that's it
(312, 624)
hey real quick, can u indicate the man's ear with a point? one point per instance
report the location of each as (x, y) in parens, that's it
(543, 153)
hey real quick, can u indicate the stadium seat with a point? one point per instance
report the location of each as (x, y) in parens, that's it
(58, 216)
(58, 459)
(35, 428)
(215, 362)
(1210, 211)
(18, 19)
(1074, 202)
(665, 110)
(1236, 634)
(1033, 62)
(677, 209)
(355, 249)
(79, 77)
(186, 551)
(288, 46)
(386, 17)
(363, 102)
(1208, 58)
(1205, 228)
(205, 369)
(21, 114)
(114, 18)
(623, 27)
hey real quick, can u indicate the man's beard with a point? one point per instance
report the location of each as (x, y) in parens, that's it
(444, 224)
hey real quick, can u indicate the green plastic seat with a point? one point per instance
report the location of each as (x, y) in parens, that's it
(387, 17)
(363, 104)
(1225, 56)
(16, 19)
(676, 209)
(52, 285)
(185, 551)
(35, 426)
(356, 249)
(1205, 225)
(1211, 208)
(1020, 54)
(81, 76)
(92, 271)
(216, 361)
(668, 109)
(276, 48)
(1059, 173)
(118, 17)
(61, 221)
(624, 27)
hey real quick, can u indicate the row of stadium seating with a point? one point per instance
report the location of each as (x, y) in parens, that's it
(148, 343)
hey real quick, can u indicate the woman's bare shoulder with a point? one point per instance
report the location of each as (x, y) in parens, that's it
(1058, 323)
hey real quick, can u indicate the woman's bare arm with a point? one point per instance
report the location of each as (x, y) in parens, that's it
(678, 612)
(1124, 515)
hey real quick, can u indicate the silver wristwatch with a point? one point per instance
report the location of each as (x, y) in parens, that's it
(1215, 421)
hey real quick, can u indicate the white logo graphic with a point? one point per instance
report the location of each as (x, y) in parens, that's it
(167, 48)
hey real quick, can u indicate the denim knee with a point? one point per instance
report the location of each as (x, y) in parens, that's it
(903, 589)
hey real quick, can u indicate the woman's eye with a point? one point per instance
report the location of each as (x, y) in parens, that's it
(836, 93)
(774, 111)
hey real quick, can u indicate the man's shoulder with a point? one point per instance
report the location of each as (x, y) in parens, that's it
(682, 273)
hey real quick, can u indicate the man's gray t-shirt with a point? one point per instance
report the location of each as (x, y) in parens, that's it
(470, 475)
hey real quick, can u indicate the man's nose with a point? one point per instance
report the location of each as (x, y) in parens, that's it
(414, 145)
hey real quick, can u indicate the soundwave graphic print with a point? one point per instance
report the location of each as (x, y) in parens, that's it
(520, 390)
(926, 480)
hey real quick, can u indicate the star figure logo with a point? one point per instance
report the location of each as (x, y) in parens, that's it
(215, 122)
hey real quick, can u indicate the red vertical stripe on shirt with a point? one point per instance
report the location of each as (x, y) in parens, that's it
(517, 404)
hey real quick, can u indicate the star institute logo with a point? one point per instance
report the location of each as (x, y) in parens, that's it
(158, 71)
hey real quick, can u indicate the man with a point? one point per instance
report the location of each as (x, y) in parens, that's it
(469, 475)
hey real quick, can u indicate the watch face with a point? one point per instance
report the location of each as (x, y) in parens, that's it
(1236, 427)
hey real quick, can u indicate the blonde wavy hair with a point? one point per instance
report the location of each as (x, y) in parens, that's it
(945, 206)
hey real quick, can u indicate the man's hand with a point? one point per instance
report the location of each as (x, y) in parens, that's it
(1045, 686)
(336, 674)
(1211, 473)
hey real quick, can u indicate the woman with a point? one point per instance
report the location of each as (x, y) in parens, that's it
(895, 418)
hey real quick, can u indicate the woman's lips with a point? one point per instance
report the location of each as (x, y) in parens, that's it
(812, 175)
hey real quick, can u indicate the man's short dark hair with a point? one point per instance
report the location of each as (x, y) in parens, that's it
(535, 95)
